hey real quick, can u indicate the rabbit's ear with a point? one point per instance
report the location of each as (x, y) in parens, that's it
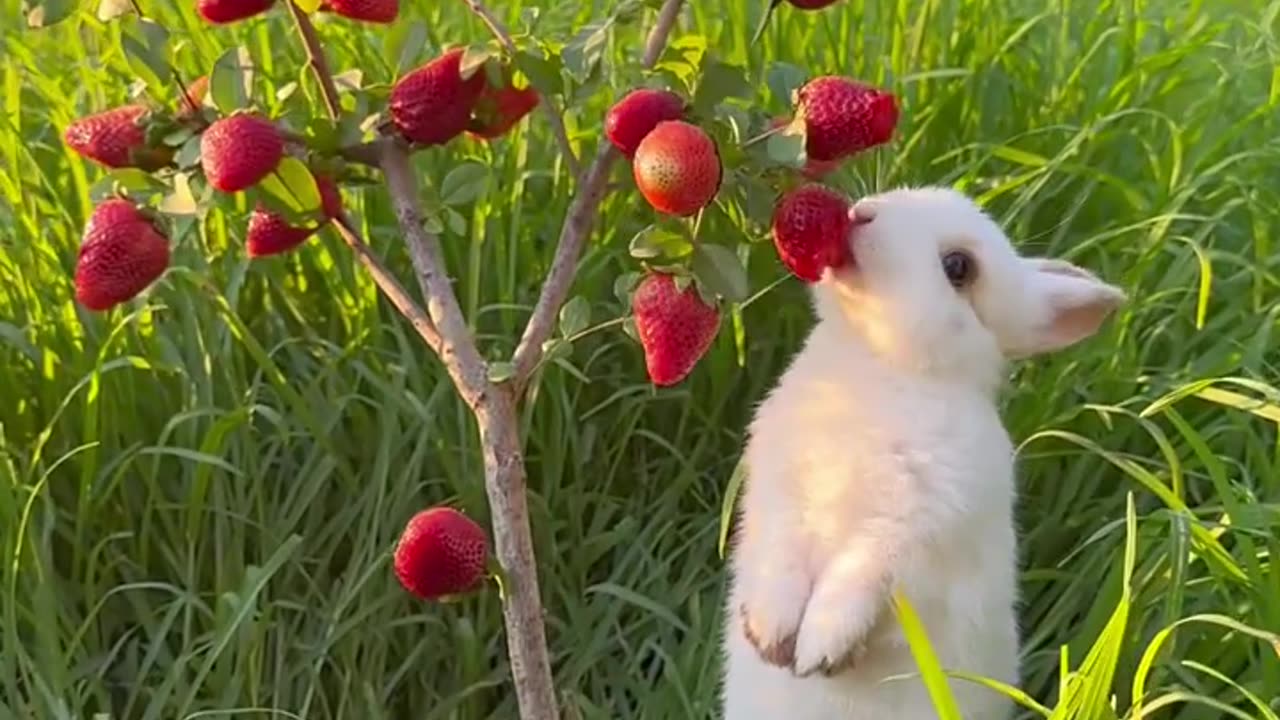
(1066, 305)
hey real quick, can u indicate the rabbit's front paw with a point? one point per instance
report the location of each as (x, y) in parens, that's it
(771, 618)
(834, 633)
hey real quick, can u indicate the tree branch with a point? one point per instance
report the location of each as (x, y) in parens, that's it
(457, 348)
(316, 59)
(578, 223)
(499, 31)
(390, 286)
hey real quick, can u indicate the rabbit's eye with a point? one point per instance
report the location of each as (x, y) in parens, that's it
(959, 267)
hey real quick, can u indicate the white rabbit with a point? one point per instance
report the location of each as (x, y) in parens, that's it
(880, 462)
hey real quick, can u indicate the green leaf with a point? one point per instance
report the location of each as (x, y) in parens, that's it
(575, 316)
(189, 154)
(623, 286)
(307, 6)
(404, 42)
(629, 327)
(181, 201)
(783, 79)
(544, 74)
(45, 13)
(731, 492)
(464, 183)
(656, 242)
(301, 184)
(583, 52)
(134, 179)
(720, 80)
(349, 80)
(554, 350)
(145, 45)
(231, 80)
(501, 371)
(457, 223)
(718, 268)
(473, 58)
(786, 148)
(109, 10)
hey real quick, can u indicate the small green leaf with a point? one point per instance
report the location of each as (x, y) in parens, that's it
(464, 183)
(231, 80)
(583, 52)
(544, 74)
(783, 79)
(300, 183)
(719, 80)
(575, 316)
(45, 13)
(109, 10)
(133, 179)
(350, 80)
(404, 42)
(718, 268)
(501, 371)
(432, 222)
(189, 154)
(307, 6)
(181, 201)
(623, 286)
(146, 47)
(629, 327)
(786, 148)
(286, 91)
(555, 349)
(656, 242)
(179, 137)
(473, 58)
(457, 223)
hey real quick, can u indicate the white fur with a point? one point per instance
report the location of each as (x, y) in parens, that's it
(880, 462)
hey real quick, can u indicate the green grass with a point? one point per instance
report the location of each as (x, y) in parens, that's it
(199, 492)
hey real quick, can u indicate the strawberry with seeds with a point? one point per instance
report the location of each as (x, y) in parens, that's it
(811, 226)
(371, 11)
(121, 254)
(432, 104)
(637, 114)
(441, 553)
(270, 233)
(843, 117)
(675, 326)
(117, 138)
(499, 109)
(677, 168)
(238, 151)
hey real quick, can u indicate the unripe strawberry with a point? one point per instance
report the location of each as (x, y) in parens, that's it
(813, 169)
(635, 115)
(499, 109)
(843, 117)
(441, 553)
(116, 138)
(677, 168)
(676, 328)
(238, 151)
(432, 104)
(811, 227)
(220, 12)
(372, 11)
(121, 253)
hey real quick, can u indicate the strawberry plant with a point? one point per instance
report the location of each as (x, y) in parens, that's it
(707, 169)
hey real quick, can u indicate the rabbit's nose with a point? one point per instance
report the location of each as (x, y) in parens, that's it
(862, 212)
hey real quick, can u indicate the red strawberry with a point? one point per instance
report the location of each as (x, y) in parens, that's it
(634, 116)
(676, 328)
(677, 168)
(843, 117)
(269, 233)
(116, 138)
(374, 11)
(441, 553)
(811, 228)
(238, 151)
(813, 169)
(121, 254)
(432, 104)
(220, 12)
(499, 109)
(191, 102)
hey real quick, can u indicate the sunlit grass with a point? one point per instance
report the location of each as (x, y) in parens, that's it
(200, 493)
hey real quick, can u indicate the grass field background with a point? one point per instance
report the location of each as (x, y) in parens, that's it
(200, 490)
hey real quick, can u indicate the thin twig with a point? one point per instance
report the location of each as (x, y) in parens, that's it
(577, 225)
(316, 59)
(390, 286)
(499, 31)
